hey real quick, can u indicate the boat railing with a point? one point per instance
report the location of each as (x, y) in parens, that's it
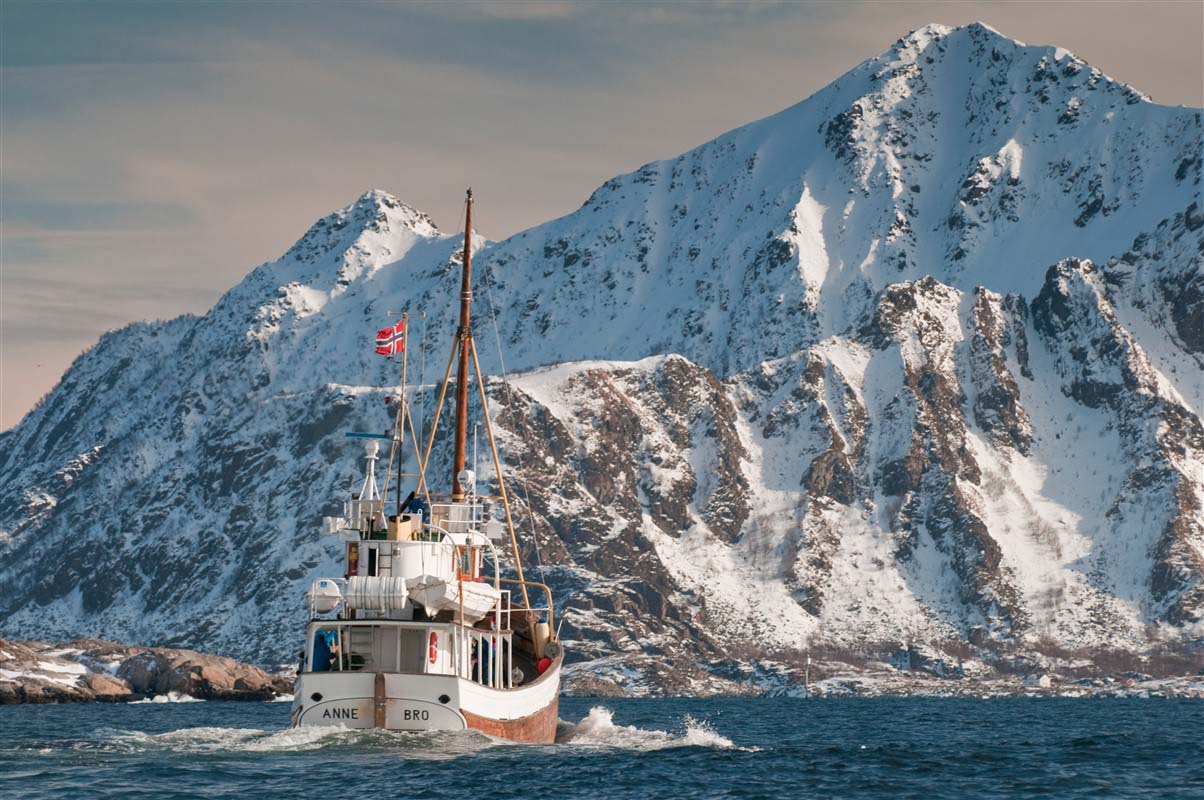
(547, 591)
(488, 654)
(457, 518)
(503, 610)
(457, 550)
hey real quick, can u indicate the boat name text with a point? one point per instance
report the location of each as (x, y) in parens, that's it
(341, 713)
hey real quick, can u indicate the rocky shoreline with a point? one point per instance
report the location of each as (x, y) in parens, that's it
(888, 682)
(908, 670)
(892, 683)
(95, 670)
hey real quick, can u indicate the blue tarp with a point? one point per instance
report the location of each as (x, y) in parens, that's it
(322, 652)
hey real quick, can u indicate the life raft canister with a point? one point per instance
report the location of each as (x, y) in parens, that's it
(434, 648)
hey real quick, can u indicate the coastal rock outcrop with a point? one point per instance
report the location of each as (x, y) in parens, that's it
(95, 670)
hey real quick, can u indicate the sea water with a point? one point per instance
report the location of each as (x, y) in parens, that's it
(678, 748)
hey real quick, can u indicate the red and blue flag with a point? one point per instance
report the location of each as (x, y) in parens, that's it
(391, 340)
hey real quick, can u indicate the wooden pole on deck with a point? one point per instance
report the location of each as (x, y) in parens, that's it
(464, 340)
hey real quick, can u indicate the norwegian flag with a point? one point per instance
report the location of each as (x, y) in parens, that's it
(391, 340)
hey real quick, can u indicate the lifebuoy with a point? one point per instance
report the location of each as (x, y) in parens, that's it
(434, 648)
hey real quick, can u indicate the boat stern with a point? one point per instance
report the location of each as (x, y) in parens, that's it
(398, 702)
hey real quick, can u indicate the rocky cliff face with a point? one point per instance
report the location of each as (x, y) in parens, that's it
(919, 358)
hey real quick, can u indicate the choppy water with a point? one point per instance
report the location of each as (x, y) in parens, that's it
(746, 748)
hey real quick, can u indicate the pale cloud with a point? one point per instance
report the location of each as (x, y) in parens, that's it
(155, 153)
(530, 10)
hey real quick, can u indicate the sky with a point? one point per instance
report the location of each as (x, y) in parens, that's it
(151, 154)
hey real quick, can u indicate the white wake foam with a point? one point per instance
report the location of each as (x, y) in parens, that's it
(598, 729)
(170, 697)
(254, 740)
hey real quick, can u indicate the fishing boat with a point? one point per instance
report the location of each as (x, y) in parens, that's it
(424, 632)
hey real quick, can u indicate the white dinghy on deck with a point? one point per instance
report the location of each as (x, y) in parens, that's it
(474, 600)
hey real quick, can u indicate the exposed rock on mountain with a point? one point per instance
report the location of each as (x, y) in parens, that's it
(916, 359)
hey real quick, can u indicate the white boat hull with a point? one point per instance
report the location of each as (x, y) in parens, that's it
(408, 702)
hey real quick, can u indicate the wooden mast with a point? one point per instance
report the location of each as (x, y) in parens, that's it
(463, 342)
(459, 356)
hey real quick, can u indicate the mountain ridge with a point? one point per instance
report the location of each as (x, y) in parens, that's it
(890, 336)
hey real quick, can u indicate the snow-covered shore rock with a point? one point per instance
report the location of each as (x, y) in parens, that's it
(94, 670)
(916, 669)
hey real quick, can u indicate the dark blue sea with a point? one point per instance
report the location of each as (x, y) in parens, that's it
(739, 748)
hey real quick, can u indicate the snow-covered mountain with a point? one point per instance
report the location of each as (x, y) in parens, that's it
(920, 357)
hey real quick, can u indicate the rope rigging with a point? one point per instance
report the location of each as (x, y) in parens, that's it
(485, 278)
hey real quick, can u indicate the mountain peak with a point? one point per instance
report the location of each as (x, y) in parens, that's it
(931, 32)
(979, 37)
(376, 215)
(377, 208)
(935, 32)
(381, 201)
